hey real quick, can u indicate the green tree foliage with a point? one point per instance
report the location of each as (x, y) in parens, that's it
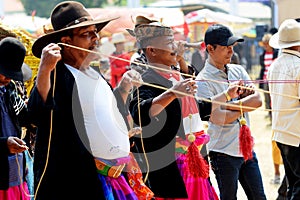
(43, 8)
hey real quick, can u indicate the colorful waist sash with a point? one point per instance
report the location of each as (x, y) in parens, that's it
(182, 145)
(113, 171)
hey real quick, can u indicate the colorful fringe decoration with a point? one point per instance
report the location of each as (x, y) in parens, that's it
(245, 138)
(135, 179)
(197, 165)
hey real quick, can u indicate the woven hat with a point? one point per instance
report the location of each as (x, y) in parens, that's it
(118, 38)
(288, 35)
(65, 16)
(139, 20)
(12, 53)
(151, 31)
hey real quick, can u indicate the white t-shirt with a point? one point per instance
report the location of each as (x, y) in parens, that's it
(105, 126)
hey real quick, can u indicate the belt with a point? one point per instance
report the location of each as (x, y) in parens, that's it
(108, 170)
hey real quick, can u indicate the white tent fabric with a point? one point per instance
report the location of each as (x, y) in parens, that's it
(169, 16)
(206, 15)
(24, 21)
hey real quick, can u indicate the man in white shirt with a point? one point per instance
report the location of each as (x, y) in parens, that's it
(285, 100)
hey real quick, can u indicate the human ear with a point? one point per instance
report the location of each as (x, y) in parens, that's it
(210, 48)
(151, 50)
(65, 40)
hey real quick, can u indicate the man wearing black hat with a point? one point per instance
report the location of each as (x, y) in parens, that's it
(228, 154)
(82, 142)
(13, 112)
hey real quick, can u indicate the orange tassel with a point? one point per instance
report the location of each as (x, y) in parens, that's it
(197, 165)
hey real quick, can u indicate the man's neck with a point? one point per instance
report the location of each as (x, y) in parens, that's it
(160, 67)
(221, 67)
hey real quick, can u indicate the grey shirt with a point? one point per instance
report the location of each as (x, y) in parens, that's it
(225, 138)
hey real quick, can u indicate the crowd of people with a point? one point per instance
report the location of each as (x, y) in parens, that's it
(140, 135)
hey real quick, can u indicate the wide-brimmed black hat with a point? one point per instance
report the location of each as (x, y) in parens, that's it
(12, 53)
(65, 16)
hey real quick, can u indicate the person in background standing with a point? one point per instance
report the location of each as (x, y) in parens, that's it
(265, 59)
(199, 57)
(286, 114)
(118, 66)
(235, 59)
(13, 185)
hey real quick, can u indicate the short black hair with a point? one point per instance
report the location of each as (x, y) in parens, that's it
(273, 30)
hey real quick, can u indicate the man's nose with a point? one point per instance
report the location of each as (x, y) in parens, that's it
(230, 48)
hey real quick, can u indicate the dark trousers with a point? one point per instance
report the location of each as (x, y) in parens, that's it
(230, 170)
(291, 162)
(282, 190)
(267, 100)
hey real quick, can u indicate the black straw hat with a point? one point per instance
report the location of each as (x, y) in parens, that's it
(12, 53)
(65, 16)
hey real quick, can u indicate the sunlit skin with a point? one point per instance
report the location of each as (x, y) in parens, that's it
(162, 51)
(86, 38)
(267, 47)
(219, 55)
(4, 80)
(83, 37)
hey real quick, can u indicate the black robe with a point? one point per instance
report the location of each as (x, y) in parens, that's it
(71, 171)
(159, 137)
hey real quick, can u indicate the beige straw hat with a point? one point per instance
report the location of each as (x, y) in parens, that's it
(288, 35)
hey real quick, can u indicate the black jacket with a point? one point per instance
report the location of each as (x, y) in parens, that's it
(159, 137)
(71, 172)
(12, 99)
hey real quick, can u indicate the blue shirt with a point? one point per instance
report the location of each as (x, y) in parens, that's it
(9, 129)
(225, 138)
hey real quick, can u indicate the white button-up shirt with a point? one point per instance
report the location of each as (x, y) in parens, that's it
(285, 97)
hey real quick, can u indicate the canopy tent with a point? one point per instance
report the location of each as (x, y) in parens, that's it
(199, 20)
(206, 15)
(173, 17)
(21, 20)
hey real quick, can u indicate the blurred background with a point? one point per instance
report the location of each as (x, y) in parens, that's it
(189, 18)
(250, 19)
